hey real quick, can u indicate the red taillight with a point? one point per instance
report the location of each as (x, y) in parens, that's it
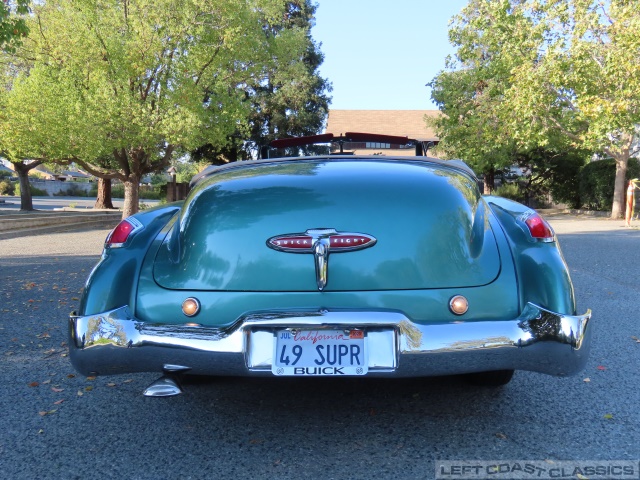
(538, 227)
(121, 233)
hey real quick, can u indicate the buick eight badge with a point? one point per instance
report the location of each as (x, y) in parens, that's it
(320, 242)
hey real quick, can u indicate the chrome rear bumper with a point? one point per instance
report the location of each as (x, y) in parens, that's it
(538, 340)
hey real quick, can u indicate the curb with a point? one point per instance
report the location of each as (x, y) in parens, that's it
(38, 223)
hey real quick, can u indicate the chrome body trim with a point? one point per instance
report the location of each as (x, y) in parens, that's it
(318, 241)
(321, 256)
(538, 340)
(522, 218)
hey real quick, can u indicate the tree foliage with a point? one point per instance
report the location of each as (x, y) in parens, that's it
(290, 99)
(12, 24)
(597, 181)
(470, 92)
(135, 80)
(559, 71)
(551, 171)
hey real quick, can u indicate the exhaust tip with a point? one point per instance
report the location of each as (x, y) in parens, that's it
(163, 387)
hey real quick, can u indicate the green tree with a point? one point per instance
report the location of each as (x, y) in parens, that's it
(469, 127)
(551, 171)
(289, 99)
(12, 23)
(292, 100)
(126, 79)
(14, 123)
(470, 92)
(572, 69)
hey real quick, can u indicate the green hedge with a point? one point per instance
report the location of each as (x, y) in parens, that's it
(510, 191)
(74, 191)
(597, 182)
(153, 192)
(6, 187)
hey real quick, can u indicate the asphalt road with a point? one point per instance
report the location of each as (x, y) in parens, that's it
(57, 424)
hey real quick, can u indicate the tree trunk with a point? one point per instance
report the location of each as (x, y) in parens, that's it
(617, 211)
(103, 199)
(489, 181)
(131, 193)
(26, 201)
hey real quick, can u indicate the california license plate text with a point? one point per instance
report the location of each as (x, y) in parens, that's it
(320, 352)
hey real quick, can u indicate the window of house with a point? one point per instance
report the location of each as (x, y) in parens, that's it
(378, 145)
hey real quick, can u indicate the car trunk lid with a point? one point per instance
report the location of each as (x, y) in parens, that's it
(425, 227)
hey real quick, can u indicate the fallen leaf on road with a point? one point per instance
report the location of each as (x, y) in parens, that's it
(46, 382)
(57, 390)
(608, 416)
(600, 367)
(50, 412)
(88, 389)
(111, 384)
(80, 393)
(58, 402)
(587, 380)
(501, 436)
(90, 379)
(71, 375)
(41, 431)
(128, 381)
(636, 339)
(34, 384)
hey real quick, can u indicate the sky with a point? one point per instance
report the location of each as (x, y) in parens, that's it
(380, 54)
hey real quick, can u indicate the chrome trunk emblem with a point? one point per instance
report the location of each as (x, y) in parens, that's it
(319, 242)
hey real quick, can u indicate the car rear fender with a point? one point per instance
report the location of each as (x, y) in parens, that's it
(113, 281)
(543, 275)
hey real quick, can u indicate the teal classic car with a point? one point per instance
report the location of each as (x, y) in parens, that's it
(332, 265)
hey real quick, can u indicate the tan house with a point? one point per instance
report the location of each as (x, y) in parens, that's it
(404, 123)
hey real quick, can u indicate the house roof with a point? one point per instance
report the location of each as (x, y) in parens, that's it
(71, 173)
(408, 123)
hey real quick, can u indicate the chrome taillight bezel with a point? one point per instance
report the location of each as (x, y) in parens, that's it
(530, 216)
(136, 226)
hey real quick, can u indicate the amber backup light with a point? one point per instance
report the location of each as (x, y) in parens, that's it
(191, 307)
(458, 305)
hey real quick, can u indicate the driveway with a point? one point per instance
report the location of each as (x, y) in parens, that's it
(58, 424)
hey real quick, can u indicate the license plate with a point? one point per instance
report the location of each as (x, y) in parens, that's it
(320, 352)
